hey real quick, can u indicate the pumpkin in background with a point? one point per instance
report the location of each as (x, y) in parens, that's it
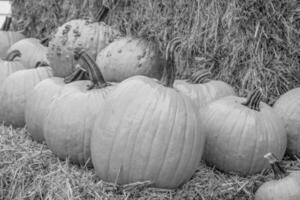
(37, 103)
(14, 91)
(91, 36)
(8, 38)
(202, 90)
(148, 131)
(32, 51)
(126, 57)
(240, 132)
(70, 118)
(286, 186)
(288, 107)
(10, 65)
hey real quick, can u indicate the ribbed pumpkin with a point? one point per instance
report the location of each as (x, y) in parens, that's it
(202, 90)
(70, 118)
(37, 104)
(288, 107)
(286, 186)
(8, 38)
(32, 51)
(148, 131)
(240, 132)
(10, 65)
(14, 91)
(128, 57)
(79, 33)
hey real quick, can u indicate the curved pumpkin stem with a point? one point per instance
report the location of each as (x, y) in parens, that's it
(279, 172)
(41, 64)
(92, 69)
(6, 24)
(254, 100)
(169, 72)
(102, 14)
(201, 76)
(45, 41)
(12, 55)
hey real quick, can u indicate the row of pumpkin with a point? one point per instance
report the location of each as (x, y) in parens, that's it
(149, 127)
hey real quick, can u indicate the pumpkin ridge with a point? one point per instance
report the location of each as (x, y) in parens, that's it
(150, 105)
(170, 137)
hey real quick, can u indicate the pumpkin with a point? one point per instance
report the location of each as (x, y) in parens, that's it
(202, 90)
(8, 38)
(32, 51)
(148, 131)
(80, 33)
(126, 57)
(286, 186)
(240, 132)
(10, 65)
(70, 118)
(288, 107)
(14, 91)
(37, 103)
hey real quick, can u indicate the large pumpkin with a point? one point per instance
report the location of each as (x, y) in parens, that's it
(37, 104)
(8, 38)
(10, 65)
(32, 51)
(202, 90)
(14, 91)
(286, 186)
(91, 36)
(148, 131)
(240, 132)
(128, 57)
(70, 118)
(288, 107)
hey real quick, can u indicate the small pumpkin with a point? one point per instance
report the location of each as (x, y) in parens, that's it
(126, 57)
(10, 65)
(14, 91)
(91, 36)
(240, 132)
(32, 51)
(8, 38)
(288, 107)
(70, 118)
(286, 186)
(148, 131)
(202, 90)
(37, 103)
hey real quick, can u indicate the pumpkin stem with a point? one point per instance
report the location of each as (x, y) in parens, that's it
(6, 24)
(279, 172)
(41, 64)
(169, 72)
(45, 41)
(201, 76)
(254, 100)
(91, 67)
(78, 74)
(12, 55)
(102, 14)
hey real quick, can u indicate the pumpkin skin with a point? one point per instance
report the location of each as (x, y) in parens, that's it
(288, 107)
(126, 57)
(32, 51)
(238, 136)
(8, 38)
(14, 91)
(70, 118)
(204, 91)
(37, 104)
(286, 187)
(10, 65)
(147, 132)
(91, 36)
